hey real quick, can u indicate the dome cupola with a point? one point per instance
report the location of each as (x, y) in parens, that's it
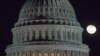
(56, 12)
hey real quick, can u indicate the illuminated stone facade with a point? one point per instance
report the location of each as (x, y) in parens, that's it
(47, 28)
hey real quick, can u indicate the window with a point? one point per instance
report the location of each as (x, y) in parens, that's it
(40, 54)
(46, 54)
(52, 54)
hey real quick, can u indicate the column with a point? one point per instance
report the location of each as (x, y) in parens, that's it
(12, 54)
(61, 33)
(55, 34)
(53, 7)
(22, 53)
(87, 54)
(52, 34)
(49, 34)
(58, 34)
(44, 4)
(14, 37)
(80, 35)
(25, 53)
(29, 53)
(25, 36)
(39, 9)
(77, 53)
(68, 53)
(66, 35)
(75, 37)
(16, 54)
(31, 34)
(37, 34)
(71, 35)
(54, 53)
(73, 53)
(21, 36)
(43, 33)
(80, 53)
(83, 54)
(49, 6)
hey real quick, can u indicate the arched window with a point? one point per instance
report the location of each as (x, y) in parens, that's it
(58, 53)
(46, 53)
(52, 54)
(39, 53)
(33, 54)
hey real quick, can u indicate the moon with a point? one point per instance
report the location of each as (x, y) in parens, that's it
(91, 29)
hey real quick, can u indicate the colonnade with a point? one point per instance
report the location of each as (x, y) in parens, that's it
(51, 33)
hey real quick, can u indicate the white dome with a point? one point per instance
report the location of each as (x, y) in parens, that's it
(47, 20)
(47, 28)
(47, 12)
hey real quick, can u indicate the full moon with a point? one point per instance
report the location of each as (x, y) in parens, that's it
(91, 29)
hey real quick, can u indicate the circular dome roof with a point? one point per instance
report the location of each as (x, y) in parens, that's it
(47, 11)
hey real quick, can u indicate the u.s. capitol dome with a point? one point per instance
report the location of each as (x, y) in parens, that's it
(47, 28)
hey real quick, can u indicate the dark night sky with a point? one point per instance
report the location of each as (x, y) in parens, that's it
(87, 11)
